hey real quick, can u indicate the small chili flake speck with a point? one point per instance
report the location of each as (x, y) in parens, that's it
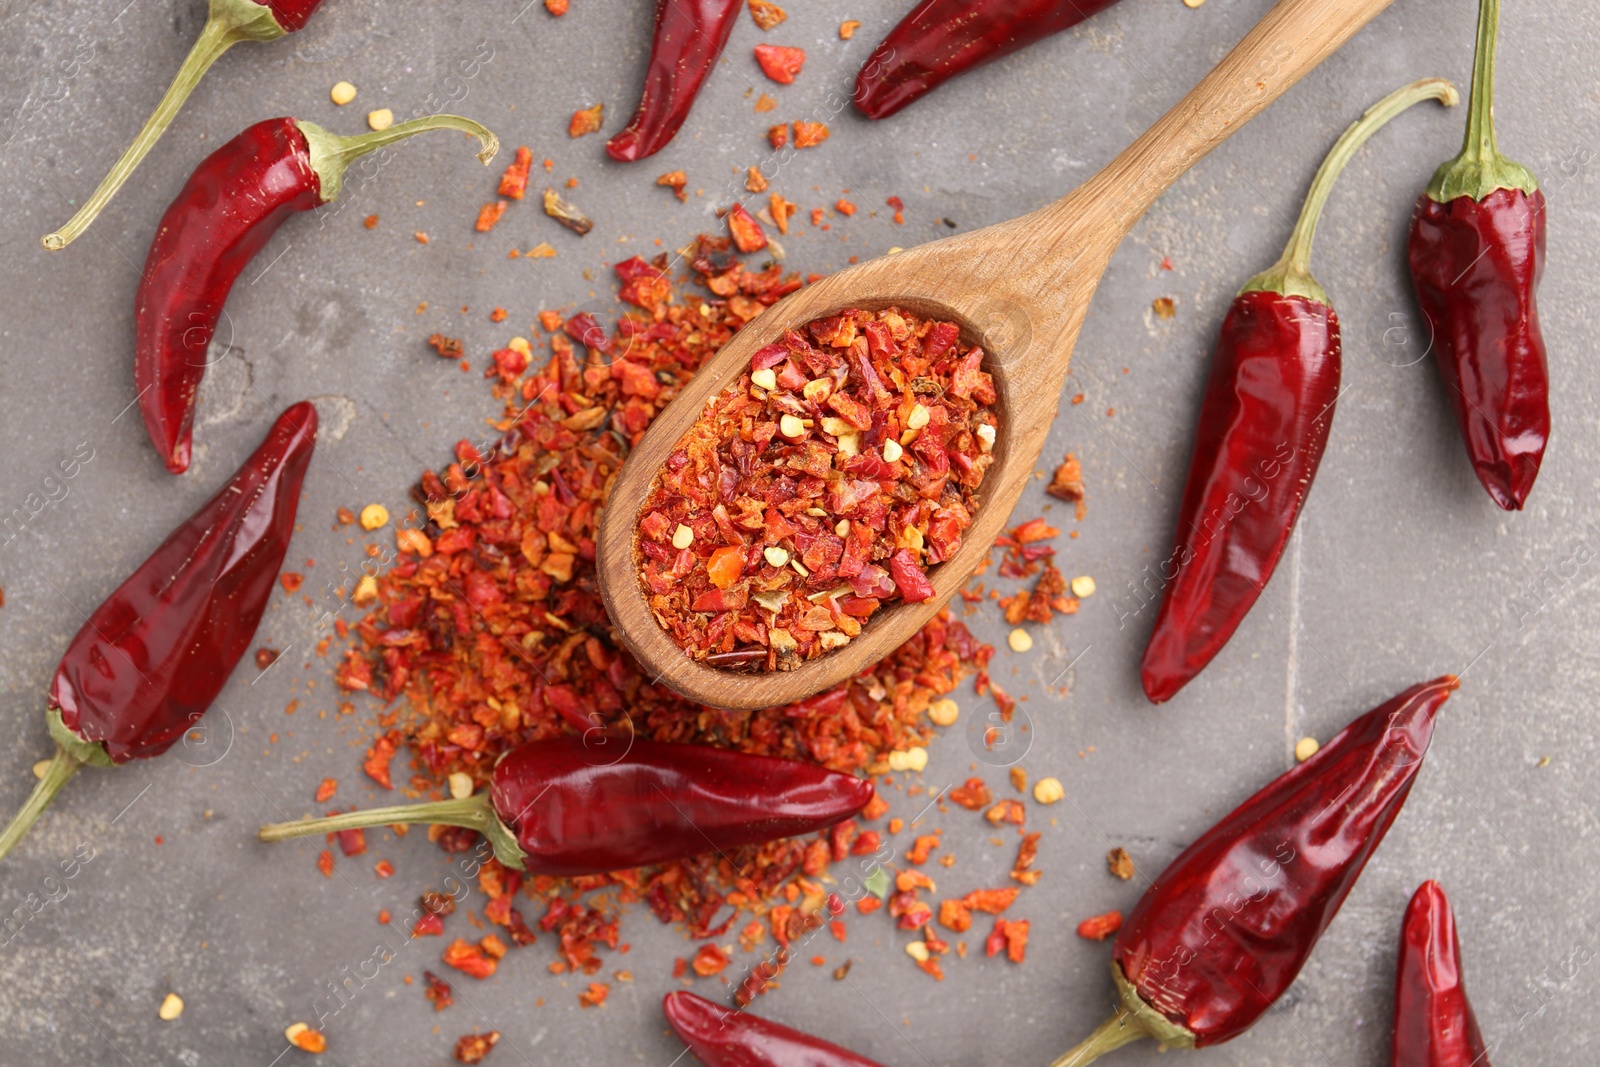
(1164, 307)
(809, 134)
(1120, 863)
(370, 222)
(326, 790)
(766, 14)
(266, 657)
(291, 581)
(848, 28)
(586, 120)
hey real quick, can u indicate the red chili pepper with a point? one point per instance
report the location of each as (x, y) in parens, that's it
(723, 1037)
(228, 23)
(1225, 929)
(942, 38)
(594, 804)
(1263, 426)
(1476, 253)
(228, 210)
(1433, 1021)
(689, 37)
(151, 659)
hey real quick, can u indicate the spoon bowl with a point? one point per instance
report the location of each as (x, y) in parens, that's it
(1019, 289)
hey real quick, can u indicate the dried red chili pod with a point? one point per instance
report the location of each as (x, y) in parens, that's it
(939, 39)
(1476, 252)
(1434, 1025)
(594, 804)
(150, 660)
(228, 23)
(689, 36)
(228, 210)
(721, 1037)
(1263, 427)
(1223, 931)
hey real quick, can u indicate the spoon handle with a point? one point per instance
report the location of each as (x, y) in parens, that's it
(1289, 40)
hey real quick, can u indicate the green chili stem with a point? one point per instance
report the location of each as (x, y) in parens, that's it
(1480, 169)
(332, 153)
(1291, 274)
(228, 23)
(1110, 1035)
(474, 812)
(62, 768)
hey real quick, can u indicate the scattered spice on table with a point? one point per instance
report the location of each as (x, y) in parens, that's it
(585, 121)
(1120, 863)
(489, 214)
(514, 182)
(781, 63)
(766, 14)
(566, 212)
(808, 134)
(1066, 483)
(677, 181)
(266, 657)
(472, 1048)
(826, 481)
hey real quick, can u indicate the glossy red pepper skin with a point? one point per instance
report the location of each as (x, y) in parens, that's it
(940, 39)
(1263, 428)
(1434, 1025)
(228, 210)
(723, 1037)
(689, 36)
(1476, 265)
(151, 659)
(1225, 929)
(293, 14)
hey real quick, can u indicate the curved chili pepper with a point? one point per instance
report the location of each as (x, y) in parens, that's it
(228, 23)
(1223, 931)
(722, 1037)
(1433, 1021)
(151, 659)
(228, 210)
(1263, 428)
(942, 38)
(1476, 253)
(688, 39)
(575, 805)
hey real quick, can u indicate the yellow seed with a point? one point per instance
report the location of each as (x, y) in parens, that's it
(682, 537)
(1193, 3)
(765, 378)
(1048, 790)
(1305, 748)
(917, 950)
(1019, 640)
(986, 437)
(776, 555)
(850, 444)
(834, 426)
(791, 426)
(171, 1008)
(366, 590)
(918, 418)
(1082, 586)
(342, 93)
(41, 768)
(842, 527)
(818, 389)
(294, 1030)
(897, 761)
(374, 517)
(892, 451)
(944, 711)
(917, 758)
(461, 785)
(894, 250)
(380, 119)
(520, 345)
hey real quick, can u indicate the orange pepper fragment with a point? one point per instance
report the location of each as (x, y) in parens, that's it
(585, 120)
(726, 566)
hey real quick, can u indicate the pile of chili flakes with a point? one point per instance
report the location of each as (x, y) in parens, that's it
(818, 486)
(491, 626)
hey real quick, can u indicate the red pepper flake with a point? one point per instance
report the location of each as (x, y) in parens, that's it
(876, 808)
(383, 869)
(352, 842)
(447, 347)
(1164, 307)
(955, 915)
(972, 795)
(810, 134)
(325, 863)
(677, 181)
(990, 901)
(765, 103)
(921, 847)
(266, 657)
(1099, 927)
(1067, 483)
(498, 315)
(595, 995)
(378, 757)
(489, 214)
(370, 222)
(1120, 863)
(778, 135)
(384, 916)
(848, 28)
(1007, 810)
(844, 207)
(754, 181)
(472, 1048)
(1008, 934)
(420, 237)
(469, 959)
(585, 120)
(514, 182)
(781, 211)
(438, 991)
(291, 581)
(557, 7)
(746, 231)
(868, 843)
(1027, 852)
(781, 63)
(710, 960)
(766, 15)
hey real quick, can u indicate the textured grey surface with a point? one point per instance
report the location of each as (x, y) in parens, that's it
(1402, 568)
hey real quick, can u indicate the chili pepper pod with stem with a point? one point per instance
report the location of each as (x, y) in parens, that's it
(723, 1037)
(228, 23)
(689, 36)
(1263, 427)
(1223, 931)
(1476, 252)
(940, 39)
(1433, 1022)
(150, 660)
(599, 803)
(228, 210)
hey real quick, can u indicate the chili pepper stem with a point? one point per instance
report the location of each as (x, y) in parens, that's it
(227, 23)
(1108, 1036)
(62, 768)
(1480, 169)
(1291, 274)
(332, 153)
(1134, 1020)
(474, 812)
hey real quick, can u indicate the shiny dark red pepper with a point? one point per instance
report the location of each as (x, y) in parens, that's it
(1224, 930)
(150, 660)
(597, 803)
(689, 36)
(724, 1037)
(942, 38)
(1433, 1021)
(228, 210)
(1263, 427)
(228, 23)
(1476, 253)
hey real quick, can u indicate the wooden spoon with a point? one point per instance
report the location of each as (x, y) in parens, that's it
(1020, 289)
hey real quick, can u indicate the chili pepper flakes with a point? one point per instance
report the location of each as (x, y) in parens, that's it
(848, 28)
(438, 991)
(1027, 852)
(766, 15)
(595, 995)
(780, 63)
(514, 182)
(1120, 863)
(585, 120)
(469, 959)
(472, 1048)
(867, 426)
(809, 134)
(710, 960)
(266, 657)
(489, 214)
(754, 181)
(1100, 927)
(745, 230)
(325, 863)
(677, 181)
(973, 795)
(778, 136)
(557, 7)
(1010, 935)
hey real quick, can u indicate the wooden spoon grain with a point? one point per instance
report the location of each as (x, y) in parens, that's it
(1020, 289)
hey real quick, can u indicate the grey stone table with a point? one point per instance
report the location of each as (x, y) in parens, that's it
(1401, 569)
